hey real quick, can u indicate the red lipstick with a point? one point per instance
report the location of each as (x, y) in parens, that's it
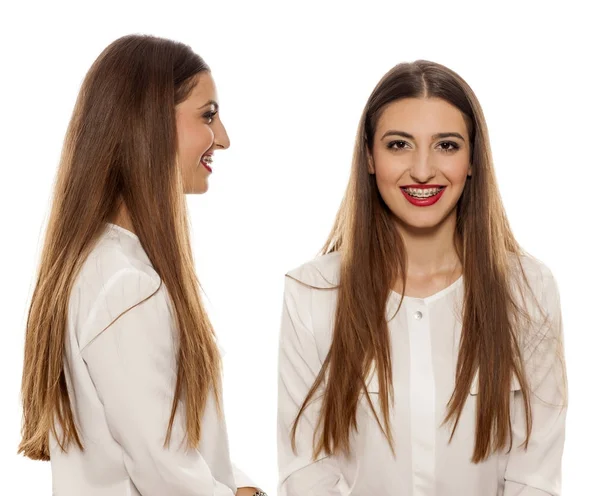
(206, 166)
(423, 202)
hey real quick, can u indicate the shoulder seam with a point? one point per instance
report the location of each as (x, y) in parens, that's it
(111, 284)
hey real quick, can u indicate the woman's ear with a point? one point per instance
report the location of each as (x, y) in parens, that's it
(370, 163)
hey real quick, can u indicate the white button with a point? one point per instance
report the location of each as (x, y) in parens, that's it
(418, 315)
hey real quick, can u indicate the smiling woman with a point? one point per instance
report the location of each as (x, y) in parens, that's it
(122, 373)
(200, 132)
(421, 354)
(417, 157)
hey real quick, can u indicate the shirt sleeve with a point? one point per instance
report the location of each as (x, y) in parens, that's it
(299, 365)
(132, 364)
(241, 479)
(537, 470)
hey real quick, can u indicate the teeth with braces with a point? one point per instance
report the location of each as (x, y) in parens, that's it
(422, 193)
(207, 159)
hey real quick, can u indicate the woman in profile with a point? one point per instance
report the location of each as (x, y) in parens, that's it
(121, 382)
(421, 353)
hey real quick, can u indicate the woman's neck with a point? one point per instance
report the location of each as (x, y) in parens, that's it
(431, 251)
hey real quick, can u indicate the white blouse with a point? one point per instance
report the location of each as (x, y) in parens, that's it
(424, 336)
(121, 382)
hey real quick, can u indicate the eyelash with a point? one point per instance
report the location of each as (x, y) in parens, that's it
(210, 116)
(444, 150)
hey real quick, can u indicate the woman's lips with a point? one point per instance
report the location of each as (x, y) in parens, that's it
(423, 202)
(205, 160)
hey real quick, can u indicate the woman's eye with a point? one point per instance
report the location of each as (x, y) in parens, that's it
(209, 116)
(449, 146)
(397, 145)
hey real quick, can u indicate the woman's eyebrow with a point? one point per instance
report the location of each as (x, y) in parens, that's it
(448, 135)
(210, 102)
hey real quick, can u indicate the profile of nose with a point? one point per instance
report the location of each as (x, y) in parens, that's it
(222, 143)
(221, 138)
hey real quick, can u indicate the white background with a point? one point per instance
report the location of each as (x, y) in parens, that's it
(292, 80)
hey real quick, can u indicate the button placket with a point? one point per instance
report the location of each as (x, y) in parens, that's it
(422, 399)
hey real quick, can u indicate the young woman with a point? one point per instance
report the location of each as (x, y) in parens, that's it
(421, 352)
(121, 381)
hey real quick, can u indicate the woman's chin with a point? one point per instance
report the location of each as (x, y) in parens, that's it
(197, 189)
(422, 223)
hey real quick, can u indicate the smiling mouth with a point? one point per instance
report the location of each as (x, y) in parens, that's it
(207, 161)
(421, 193)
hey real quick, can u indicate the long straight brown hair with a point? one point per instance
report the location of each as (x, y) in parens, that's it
(120, 145)
(373, 257)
